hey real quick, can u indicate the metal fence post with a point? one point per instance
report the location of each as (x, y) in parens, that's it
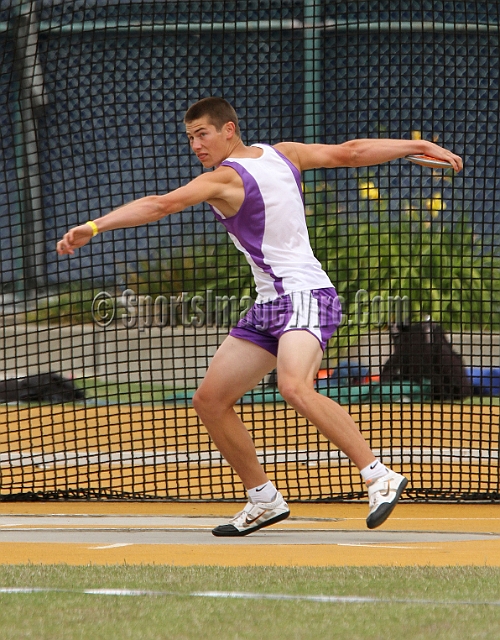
(313, 88)
(31, 99)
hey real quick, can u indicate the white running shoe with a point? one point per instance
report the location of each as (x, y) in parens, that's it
(384, 494)
(254, 517)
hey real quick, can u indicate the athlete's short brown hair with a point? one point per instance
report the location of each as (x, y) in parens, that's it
(218, 110)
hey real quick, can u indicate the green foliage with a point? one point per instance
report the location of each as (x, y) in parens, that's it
(72, 305)
(220, 268)
(438, 265)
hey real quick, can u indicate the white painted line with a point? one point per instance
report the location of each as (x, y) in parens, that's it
(113, 546)
(125, 592)
(416, 455)
(376, 545)
(237, 595)
(332, 599)
(280, 596)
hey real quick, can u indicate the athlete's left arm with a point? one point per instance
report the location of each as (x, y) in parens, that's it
(362, 152)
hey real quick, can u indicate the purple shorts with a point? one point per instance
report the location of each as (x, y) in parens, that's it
(317, 311)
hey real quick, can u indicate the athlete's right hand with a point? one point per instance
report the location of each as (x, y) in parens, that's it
(74, 239)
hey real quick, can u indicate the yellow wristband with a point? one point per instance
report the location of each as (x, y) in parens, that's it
(93, 226)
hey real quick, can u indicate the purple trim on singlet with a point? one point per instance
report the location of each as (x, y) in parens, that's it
(248, 224)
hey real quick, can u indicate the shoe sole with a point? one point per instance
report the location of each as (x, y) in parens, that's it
(385, 510)
(245, 532)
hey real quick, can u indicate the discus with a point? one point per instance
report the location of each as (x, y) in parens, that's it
(428, 161)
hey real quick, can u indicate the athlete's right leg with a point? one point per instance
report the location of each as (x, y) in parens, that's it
(237, 367)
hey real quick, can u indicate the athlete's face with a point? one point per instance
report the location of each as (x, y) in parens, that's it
(210, 146)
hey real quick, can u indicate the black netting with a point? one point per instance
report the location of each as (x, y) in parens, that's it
(101, 352)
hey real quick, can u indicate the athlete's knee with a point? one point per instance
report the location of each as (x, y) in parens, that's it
(295, 392)
(208, 403)
(202, 401)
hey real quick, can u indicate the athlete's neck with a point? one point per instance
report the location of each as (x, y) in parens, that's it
(240, 150)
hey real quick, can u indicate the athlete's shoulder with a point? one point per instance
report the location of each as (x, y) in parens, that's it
(290, 150)
(212, 184)
(223, 174)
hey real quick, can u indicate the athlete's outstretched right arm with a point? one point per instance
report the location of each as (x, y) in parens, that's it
(144, 210)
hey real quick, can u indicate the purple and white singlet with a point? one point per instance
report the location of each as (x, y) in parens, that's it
(270, 227)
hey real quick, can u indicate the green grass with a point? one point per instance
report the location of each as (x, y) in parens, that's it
(70, 615)
(100, 390)
(486, 400)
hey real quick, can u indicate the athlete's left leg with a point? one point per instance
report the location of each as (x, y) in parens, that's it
(299, 358)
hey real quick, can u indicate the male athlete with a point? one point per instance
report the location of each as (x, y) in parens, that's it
(255, 192)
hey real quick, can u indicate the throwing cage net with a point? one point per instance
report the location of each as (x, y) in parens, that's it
(101, 352)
